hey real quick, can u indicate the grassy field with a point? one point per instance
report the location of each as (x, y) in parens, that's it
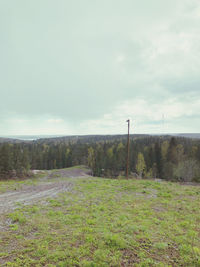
(105, 222)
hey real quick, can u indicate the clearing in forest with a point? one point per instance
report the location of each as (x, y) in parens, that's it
(98, 222)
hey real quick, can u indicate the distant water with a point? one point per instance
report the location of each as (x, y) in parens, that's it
(30, 137)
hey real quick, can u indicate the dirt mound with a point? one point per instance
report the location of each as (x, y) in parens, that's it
(71, 173)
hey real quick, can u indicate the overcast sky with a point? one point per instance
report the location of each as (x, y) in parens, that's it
(85, 67)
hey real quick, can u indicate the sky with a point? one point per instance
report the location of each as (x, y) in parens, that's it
(73, 67)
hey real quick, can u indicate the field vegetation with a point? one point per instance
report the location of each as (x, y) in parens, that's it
(105, 222)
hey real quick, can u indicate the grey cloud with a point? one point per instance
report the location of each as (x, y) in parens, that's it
(77, 60)
(188, 86)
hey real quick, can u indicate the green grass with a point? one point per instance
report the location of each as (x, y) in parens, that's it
(105, 222)
(11, 185)
(81, 167)
(15, 184)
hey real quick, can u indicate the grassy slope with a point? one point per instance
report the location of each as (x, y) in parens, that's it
(107, 222)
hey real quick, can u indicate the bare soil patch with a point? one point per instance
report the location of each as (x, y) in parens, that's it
(44, 188)
(71, 173)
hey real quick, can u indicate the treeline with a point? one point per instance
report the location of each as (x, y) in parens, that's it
(163, 157)
(176, 159)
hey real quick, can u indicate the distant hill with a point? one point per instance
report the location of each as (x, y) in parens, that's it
(87, 138)
(9, 140)
(69, 139)
(188, 135)
(83, 139)
(66, 139)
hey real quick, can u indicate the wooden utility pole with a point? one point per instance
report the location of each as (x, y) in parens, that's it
(128, 148)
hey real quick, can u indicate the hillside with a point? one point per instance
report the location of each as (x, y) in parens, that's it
(102, 222)
(189, 135)
(70, 138)
(88, 138)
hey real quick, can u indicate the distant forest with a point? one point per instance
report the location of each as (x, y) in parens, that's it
(164, 157)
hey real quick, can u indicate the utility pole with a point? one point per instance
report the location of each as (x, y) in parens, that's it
(128, 148)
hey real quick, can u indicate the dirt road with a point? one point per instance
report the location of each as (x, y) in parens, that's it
(47, 187)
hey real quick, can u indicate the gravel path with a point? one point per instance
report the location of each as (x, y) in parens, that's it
(47, 187)
(32, 194)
